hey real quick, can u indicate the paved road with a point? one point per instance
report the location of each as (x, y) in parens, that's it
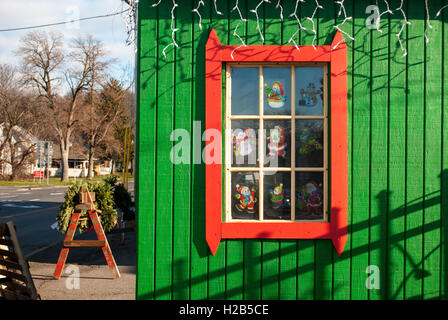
(33, 211)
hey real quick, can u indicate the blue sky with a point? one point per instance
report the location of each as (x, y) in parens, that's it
(110, 30)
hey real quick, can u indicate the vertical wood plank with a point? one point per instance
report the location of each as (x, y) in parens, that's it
(342, 263)
(146, 148)
(415, 151)
(433, 153)
(182, 171)
(216, 278)
(361, 153)
(164, 166)
(396, 194)
(199, 249)
(379, 155)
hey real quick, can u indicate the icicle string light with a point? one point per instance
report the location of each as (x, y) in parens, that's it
(378, 21)
(406, 22)
(311, 19)
(235, 32)
(428, 22)
(281, 9)
(255, 11)
(300, 26)
(173, 30)
(346, 18)
(440, 11)
(130, 21)
(200, 3)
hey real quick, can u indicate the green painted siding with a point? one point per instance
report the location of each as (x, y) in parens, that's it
(398, 160)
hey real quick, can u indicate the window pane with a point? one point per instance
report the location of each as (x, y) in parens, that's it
(277, 196)
(245, 141)
(309, 195)
(244, 193)
(309, 91)
(309, 143)
(245, 91)
(277, 91)
(277, 147)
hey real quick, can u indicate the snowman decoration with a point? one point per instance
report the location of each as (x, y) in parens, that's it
(309, 96)
(276, 95)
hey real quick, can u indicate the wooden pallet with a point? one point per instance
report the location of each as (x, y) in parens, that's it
(86, 200)
(16, 282)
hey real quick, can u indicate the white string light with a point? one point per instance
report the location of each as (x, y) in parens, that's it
(258, 19)
(314, 31)
(378, 21)
(406, 22)
(200, 2)
(216, 8)
(131, 24)
(346, 18)
(235, 33)
(281, 9)
(131, 17)
(173, 30)
(428, 22)
(440, 11)
(300, 26)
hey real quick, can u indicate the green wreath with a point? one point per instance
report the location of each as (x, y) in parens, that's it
(104, 201)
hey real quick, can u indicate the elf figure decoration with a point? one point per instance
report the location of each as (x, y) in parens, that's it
(244, 142)
(309, 141)
(277, 142)
(309, 95)
(277, 196)
(309, 199)
(247, 198)
(276, 95)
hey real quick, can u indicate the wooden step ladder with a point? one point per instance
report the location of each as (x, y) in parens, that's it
(86, 202)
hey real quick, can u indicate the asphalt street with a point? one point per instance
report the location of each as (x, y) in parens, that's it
(33, 210)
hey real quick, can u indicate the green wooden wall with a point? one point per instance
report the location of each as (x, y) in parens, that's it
(398, 160)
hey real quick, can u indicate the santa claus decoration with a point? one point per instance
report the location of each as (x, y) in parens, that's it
(277, 142)
(246, 197)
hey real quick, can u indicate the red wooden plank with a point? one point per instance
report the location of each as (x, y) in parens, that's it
(339, 143)
(213, 180)
(251, 230)
(64, 251)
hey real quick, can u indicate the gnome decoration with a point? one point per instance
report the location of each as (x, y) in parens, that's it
(276, 95)
(277, 196)
(309, 96)
(277, 142)
(309, 141)
(244, 142)
(247, 198)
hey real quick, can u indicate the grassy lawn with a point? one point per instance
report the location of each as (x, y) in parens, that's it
(57, 181)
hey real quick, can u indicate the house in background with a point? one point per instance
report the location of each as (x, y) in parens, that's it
(78, 163)
(22, 141)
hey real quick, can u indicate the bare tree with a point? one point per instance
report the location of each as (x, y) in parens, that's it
(17, 145)
(43, 57)
(103, 111)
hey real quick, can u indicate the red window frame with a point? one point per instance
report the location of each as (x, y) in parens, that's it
(335, 230)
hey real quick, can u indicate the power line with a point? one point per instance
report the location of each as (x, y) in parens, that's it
(64, 22)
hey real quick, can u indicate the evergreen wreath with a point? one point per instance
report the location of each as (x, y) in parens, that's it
(104, 201)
